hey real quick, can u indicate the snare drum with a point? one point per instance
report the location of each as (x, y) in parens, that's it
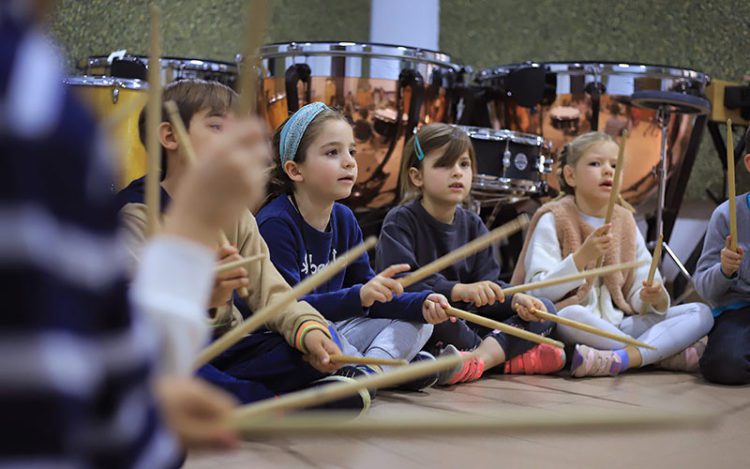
(509, 162)
(600, 92)
(105, 96)
(391, 89)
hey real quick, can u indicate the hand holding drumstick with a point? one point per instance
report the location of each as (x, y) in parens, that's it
(731, 259)
(594, 247)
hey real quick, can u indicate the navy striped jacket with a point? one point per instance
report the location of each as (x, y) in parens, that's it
(74, 361)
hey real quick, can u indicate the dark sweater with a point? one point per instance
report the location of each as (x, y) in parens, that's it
(299, 250)
(411, 235)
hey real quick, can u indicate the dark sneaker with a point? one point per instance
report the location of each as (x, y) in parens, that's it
(356, 372)
(424, 382)
(358, 402)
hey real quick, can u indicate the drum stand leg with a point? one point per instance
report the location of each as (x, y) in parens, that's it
(661, 172)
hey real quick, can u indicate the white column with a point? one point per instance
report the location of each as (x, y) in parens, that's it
(413, 23)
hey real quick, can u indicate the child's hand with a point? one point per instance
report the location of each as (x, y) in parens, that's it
(480, 293)
(319, 349)
(226, 282)
(196, 412)
(382, 287)
(434, 309)
(654, 295)
(524, 305)
(595, 245)
(731, 260)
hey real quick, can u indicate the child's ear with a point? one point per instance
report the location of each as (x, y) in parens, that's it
(292, 170)
(569, 175)
(415, 176)
(167, 137)
(747, 161)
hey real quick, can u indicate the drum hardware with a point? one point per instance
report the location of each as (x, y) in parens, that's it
(296, 74)
(666, 103)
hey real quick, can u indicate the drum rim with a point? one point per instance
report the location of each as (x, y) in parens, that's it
(664, 71)
(501, 135)
(363, 49)
(194, 64)
(106, 81)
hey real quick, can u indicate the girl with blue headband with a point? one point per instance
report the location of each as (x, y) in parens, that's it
(437, 167)
(306, 228)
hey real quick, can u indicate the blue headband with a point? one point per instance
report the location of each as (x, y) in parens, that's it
(294, 129)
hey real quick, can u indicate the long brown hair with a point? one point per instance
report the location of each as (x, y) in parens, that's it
(433, 137)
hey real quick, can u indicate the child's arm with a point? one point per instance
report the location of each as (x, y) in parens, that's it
(336, 305)
(544, 261)
(656, 295)
(710, 281)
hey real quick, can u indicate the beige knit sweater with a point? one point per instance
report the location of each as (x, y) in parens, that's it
(266, 283)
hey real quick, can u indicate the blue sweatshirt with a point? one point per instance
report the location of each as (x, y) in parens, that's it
(725, 293)
(299, 250)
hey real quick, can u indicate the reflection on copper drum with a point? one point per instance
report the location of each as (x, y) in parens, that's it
(578, 97)
(373, 85)
(565, 118)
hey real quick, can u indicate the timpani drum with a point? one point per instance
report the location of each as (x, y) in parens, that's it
(582, 96)
(385, 90)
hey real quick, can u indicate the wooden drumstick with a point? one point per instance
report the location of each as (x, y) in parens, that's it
(655, 259)
(465, 250)
(239, 263)
(615, 194)
(506, 328)
(322, 394)
(153, 120)
(351, 360)
(318, 424)
(731, 188)
(261, 317)
(257, 22)
(591, 329)
(572, 278)
(183, 139)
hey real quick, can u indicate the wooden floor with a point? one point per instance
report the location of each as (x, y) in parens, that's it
(723, 446)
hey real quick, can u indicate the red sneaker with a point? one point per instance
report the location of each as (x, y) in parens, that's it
(470, 370)
(540, 360)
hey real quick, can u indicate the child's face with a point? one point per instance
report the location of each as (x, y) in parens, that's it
(205, 129)
(445, 185)
(330, 169)
(593, 174)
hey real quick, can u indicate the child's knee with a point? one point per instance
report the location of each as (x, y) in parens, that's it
(727, 366)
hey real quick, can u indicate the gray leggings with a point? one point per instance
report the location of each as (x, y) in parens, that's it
(382, 338)
(670, 333)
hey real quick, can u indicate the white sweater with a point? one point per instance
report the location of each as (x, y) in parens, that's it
(544, 261)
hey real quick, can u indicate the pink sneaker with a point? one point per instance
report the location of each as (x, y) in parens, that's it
(540, 360)
(589, 361)
(470, 370)
(687, 360)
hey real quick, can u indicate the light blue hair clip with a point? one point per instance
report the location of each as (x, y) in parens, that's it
(418, 147)
(294, 129)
